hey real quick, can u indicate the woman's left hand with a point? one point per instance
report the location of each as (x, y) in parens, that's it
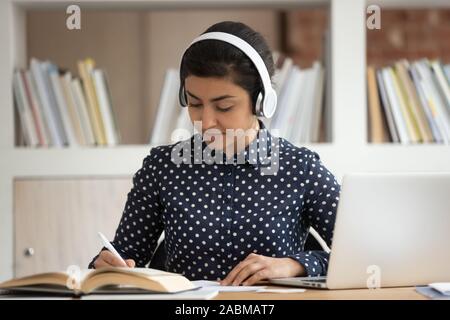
(256, 267)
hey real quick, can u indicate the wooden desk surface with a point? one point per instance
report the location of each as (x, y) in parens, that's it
(404, 293)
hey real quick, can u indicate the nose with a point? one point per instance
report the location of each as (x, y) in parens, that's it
(208, 118)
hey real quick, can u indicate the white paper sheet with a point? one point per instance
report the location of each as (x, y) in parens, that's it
(215, 285)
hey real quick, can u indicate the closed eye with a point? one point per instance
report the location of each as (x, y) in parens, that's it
(224, 109)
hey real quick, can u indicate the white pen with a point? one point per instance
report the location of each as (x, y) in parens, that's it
(109, 246)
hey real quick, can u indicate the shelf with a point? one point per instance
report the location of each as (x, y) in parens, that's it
(410, 4)
(168, 4)
(126, 160)
(107, 161)
(121, 160)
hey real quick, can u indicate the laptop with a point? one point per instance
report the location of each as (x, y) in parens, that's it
(391, 230)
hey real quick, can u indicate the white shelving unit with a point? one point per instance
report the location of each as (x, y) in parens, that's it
(349, 151)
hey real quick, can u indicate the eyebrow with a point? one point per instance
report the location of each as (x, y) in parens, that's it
(213, 99)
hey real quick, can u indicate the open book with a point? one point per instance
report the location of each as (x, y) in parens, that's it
(105, 280)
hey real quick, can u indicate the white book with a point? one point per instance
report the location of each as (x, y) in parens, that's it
(42, 92)
(39, 112)
(282, 74)
(447, 72)
(286, 108)
(46, 66)
(441, 82)
(62, 105)
(387, 107)
(81, 105)
(434, 99)
(437, 135)
(167, 109)
(184, 127)
(294, 104)
(299, 106)
(306, 103)
(281, 102)
(279, 84)
(24, 111)
(395, 106)
(105, 106)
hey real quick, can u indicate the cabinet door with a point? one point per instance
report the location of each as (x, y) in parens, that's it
(57, 220)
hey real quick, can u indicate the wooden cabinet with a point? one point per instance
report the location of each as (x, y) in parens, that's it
(56, 220)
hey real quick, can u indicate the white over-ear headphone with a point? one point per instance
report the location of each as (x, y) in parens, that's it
(266, 103)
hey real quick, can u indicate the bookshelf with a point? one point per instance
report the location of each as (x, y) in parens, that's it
(349, 150)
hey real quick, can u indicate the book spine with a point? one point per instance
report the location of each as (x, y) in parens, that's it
(91, 103)
(82, 108)
(393, 101)
(61, 104)
(34, 110)
(387, 108)
(104, 106)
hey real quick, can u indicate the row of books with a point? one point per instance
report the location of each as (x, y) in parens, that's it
(298, 117)
(58, 109)
(300, 109)
(409, 102)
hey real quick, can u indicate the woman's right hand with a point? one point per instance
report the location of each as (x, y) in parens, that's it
(107, 259)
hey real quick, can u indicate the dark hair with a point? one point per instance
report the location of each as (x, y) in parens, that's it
(215, 58)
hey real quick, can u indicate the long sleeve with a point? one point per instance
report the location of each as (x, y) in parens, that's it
(319, 211)
(141, 224)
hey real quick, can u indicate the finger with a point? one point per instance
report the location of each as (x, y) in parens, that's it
(100, 263)
(232, 274)
(130, 263)
(246, 272)
(257, 276)
(112, 259)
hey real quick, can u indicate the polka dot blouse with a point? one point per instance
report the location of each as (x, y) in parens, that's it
(215, 214)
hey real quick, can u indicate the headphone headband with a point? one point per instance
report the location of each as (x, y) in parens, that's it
(267, 100)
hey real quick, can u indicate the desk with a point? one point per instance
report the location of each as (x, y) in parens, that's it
(404, 293)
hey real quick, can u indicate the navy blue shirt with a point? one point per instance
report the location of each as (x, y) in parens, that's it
(262, 200)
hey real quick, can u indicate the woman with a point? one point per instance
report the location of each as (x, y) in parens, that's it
(233, 209)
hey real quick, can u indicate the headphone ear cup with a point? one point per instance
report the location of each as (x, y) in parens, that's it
(259, 105)
(269, 103)
(182, 97)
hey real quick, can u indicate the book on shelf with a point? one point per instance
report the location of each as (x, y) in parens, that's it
(300, 108)
(108, 280)
(376, 125)
(170, 116)
(58, 109)
(409, 102)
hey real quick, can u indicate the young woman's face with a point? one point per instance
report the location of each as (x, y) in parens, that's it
(220, 105)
